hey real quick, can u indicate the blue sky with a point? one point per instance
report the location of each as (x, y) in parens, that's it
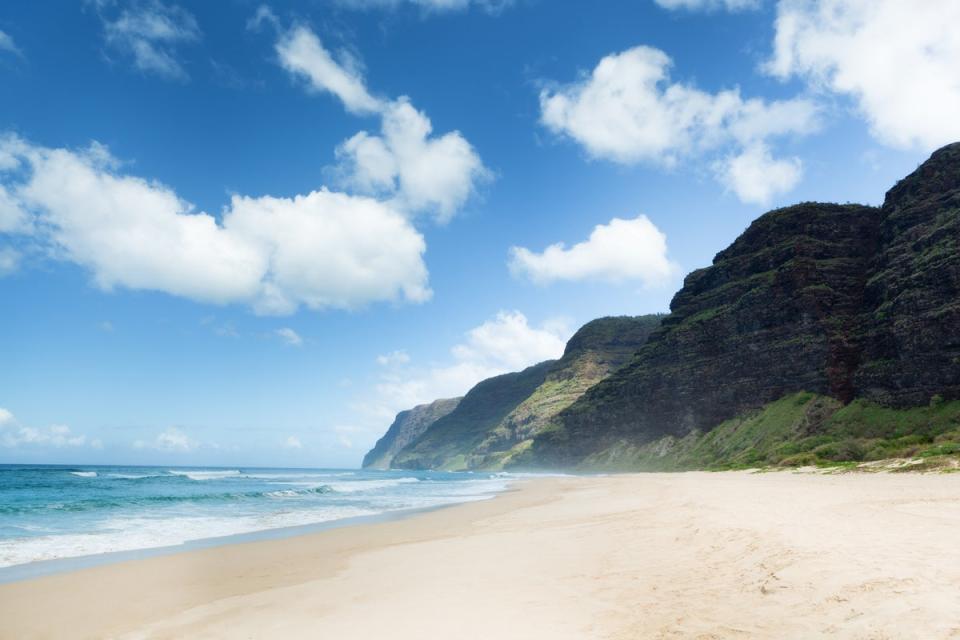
(240, 233)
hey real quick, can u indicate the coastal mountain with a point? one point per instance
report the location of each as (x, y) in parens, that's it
(407, 427)
(824, 332)
(499, 417)
(449, 440)
(845, 302)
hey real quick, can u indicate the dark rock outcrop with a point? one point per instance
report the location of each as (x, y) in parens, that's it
(911, 323)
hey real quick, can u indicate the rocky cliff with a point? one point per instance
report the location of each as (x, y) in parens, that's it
(450, 439)
(499, 417)
(407, 427)
(844, 301)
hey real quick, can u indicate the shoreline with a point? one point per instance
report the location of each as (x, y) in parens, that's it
(643, 555)
(81, 517)
(56, 566)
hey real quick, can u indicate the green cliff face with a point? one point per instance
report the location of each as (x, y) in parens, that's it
(845, 302)
(407, 427)
(598, 349)
(450, 439)
(499, 417)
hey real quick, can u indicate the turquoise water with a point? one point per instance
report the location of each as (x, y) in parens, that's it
(50, 512)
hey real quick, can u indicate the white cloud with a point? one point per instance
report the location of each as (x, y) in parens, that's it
(709, 5)
(424, 172)
(322, 250)
(504, 344)
(899, 61)
(416, 170)
(293, 442)
(149, 33)
(14, 435)
(621, 251)
(9, 260)
(172, 440)
(13, 219)
(438, 6)
(757, 177)
(302, 54)
(393, 359)
(628, 111)
(289, 336)
(7, 44)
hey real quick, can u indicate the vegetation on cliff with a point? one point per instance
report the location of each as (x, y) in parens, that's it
(407, 427)
(451, 438)
(499, 417)
(800, 429)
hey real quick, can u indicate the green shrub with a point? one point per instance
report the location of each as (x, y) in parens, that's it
(805, 459)
(842, 451)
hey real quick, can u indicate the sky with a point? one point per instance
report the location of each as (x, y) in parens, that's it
(237, 233)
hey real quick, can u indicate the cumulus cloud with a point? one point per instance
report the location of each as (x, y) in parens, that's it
(149, 32)
(289, 336)
(14, 435)
(503, 344)
(627, 110)
(7, 44)
(172, 440)
(709, 5)
(621, 251)
(406, 163)
(755, 176)
(292, 442)
(301, 53)
(321, 250)
(423, 172)
(13, 219)
(899, 61)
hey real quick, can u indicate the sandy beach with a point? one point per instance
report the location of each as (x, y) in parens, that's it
(694, 555)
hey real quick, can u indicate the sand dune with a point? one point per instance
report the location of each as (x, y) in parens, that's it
(696, 555)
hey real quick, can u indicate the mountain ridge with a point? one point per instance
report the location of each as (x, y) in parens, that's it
(844, 302)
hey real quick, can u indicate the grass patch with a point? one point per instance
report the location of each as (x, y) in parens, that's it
(804, 429)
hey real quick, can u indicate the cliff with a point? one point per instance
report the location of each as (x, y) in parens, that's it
(407, 427)
(843, 301)
(450, 439)
(499, 417)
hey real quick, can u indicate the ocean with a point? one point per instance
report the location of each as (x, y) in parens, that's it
(54, 512)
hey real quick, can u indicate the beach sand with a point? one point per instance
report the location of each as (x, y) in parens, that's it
(692, 555)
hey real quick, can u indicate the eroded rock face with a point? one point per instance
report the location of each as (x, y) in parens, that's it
(407, 427)
(912, 317)
(842, 300)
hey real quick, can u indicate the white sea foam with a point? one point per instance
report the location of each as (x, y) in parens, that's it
(131, 533)
(299, 476)
(84, 474)
(132, 476)
(205, 475)
(368, 485)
